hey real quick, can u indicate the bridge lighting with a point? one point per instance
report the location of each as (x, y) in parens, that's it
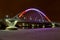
(53, 25)
(10, 23)
(24, 17)
(38, 25)
(40, 13)
(43, 26)
(23, 24)
(33, 25)
(30, 18)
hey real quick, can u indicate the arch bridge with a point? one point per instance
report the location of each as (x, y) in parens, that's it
(33, 17)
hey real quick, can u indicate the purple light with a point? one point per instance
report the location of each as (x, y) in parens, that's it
(35, 10)
(40, 13)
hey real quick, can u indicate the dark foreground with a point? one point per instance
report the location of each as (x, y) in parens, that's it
(31, 34)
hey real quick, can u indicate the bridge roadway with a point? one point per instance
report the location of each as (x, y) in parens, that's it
(31, 34)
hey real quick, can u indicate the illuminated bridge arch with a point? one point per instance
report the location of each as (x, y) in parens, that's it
(34, 9)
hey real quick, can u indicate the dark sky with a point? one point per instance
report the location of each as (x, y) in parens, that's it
(12, 7)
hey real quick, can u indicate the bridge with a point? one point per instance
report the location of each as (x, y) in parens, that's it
(33, 18)
(30, 18)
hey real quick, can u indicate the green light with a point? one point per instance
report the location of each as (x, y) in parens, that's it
(53, 25)
(11, 24)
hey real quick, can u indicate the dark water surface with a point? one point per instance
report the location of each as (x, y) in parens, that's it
(31, 34)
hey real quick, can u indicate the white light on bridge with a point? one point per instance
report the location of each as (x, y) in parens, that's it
(30, 18)
(24, 17)
(53, 25)
(33, 25)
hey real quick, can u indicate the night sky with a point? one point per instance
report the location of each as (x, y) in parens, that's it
(12, 7)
